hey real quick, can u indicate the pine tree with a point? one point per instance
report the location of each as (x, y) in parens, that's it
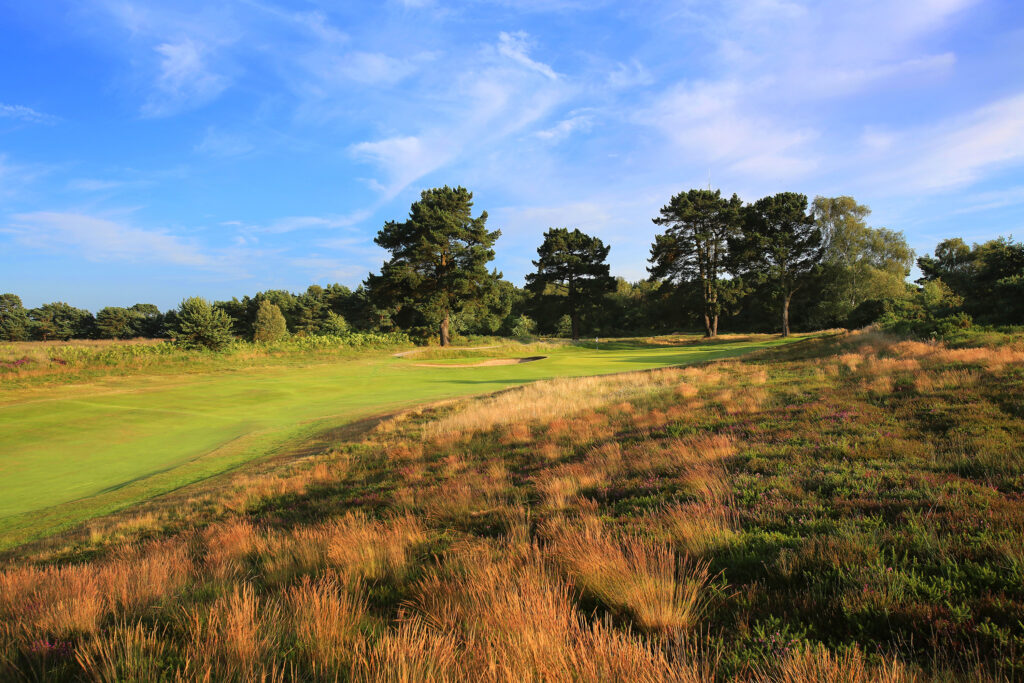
(439, 258)
(199, 325)
(694, 247)
(780, 243)
(574, 261)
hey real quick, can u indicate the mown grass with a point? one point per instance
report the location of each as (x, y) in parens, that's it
(82, 445)
(844, 509)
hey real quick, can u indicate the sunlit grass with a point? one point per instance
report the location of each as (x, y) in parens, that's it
(848, 509)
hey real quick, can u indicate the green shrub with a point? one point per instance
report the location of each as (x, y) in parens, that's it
(200, 325)
(270, 325)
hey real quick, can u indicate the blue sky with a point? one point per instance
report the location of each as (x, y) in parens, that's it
(152, 151)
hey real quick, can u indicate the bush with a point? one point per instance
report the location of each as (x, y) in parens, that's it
(523, 328)
(564, 327)
(200, 325)
(333, 325)
(270, 325)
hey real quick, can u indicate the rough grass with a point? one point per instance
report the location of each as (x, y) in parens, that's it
(82, 446)
(847, 509)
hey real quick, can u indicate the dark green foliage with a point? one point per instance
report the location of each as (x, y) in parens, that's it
(988, 277)
(198, 324)
(147, 321)
(693, 250)
(270, 325)
(59, 320)
(780, 244)
(14, 324)
(114, 322)
(438, 263)
(572, 267)
(491, 313)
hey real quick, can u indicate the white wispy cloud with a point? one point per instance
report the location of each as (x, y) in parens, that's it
(102, 239)
(94, 184)
(577, 121)
(185, 80)
(629, 75)
(217, 143)
(368, 68)
(327, 268)
(483, 107)
(22, 113)
(712, 122)
(956, 152)
(516, 46)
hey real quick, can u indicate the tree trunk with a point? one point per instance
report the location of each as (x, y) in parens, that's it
(714, 325)
(785, 314)
(445, 336)
(709, 327)
(575, 325)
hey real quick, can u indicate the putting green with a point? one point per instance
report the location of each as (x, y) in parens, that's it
(74, 451)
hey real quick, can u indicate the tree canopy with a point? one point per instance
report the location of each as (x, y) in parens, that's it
(694, 246)
(574, 262)
(439, 258)
(199, 325)
(779, 243)
(859, 263)
(270, 325)
(13, 318)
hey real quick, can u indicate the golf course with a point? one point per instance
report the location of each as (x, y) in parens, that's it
(79, 448)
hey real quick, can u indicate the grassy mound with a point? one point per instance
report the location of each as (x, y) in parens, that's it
(844, 509)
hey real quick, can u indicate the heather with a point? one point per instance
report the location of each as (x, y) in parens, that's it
(846, 508)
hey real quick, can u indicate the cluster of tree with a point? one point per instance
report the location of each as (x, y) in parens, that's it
(960, 285)
(776, 263)
(61, 321)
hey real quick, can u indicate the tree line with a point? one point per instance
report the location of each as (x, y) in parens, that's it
(778, 263)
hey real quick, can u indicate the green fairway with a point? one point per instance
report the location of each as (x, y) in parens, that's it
(72, 451)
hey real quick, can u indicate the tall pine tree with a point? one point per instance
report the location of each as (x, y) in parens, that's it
(694, 246)
(439, 258)
(780, 244)
(575, 261)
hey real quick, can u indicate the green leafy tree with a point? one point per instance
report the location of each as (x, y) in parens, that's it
(523, 327)
(310, 310)
(147, 321)
(859, 263)
(270, 325)
(13, 318)
(564, 326)
(694, 246)
(779, 244)
(987, 276)
(199, 325)
(439, 258)
(487, 314)
(59, 320)
(334, 324)
(114, 322)
(573, 263)
(953, 263)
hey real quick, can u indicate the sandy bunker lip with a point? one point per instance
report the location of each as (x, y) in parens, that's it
(492, 361)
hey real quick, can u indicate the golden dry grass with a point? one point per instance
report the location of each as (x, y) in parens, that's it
(661, 591)
(494, 553)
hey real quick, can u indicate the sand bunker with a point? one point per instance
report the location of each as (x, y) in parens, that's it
(483, 363)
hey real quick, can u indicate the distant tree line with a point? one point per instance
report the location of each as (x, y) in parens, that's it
(777, 264)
